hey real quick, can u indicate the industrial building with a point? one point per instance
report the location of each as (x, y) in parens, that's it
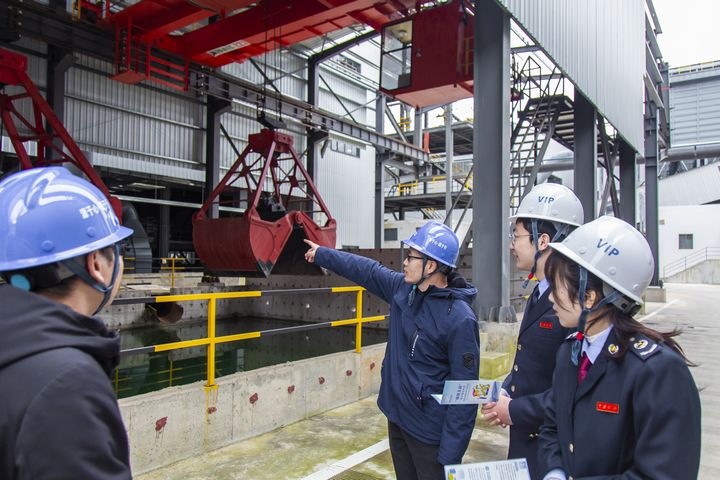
(225, 132)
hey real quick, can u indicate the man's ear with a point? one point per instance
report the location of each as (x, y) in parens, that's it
(431, 266)
(543, 242)
(94, 262)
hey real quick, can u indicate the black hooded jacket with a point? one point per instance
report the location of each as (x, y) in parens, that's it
(59, 418)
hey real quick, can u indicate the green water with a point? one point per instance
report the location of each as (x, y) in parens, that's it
(150, 372)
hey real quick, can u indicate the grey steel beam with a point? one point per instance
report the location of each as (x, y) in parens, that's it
(651, 184)
(586, 155)
(394, 123)
(311, 117)
(341, 47)
(449, 147)
(628, 179)
(214, 109)
(491, 165)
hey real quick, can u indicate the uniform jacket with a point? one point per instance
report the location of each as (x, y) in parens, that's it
(59, 418)
(635, 416)
(530, 379)
(434, 340)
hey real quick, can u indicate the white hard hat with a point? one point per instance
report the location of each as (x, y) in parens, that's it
(552, 202)
(614, 251)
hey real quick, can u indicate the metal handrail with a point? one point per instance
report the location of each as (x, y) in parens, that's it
(211, 340)
(682, 264)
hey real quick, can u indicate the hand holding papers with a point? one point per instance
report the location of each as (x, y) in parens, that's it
(464, 392)
(505, 470)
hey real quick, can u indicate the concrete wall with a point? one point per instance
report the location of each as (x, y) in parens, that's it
(698, 220)
(180, 422)
(707, 272)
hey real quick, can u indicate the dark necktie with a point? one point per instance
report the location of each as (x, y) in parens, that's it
(585, 365)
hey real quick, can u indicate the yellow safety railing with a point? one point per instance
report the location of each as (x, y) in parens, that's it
(211, 340)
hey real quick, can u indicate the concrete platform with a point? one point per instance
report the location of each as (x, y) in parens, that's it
(351, 442)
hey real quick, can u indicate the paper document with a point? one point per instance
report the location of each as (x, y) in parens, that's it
(458, 392)
(516, 469)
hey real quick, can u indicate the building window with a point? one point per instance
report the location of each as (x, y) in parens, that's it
(391, 234)
(685, 241)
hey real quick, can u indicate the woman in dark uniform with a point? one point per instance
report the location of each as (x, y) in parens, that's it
(623, 403)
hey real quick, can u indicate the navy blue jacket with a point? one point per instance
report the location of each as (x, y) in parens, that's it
(530, 379)
(58, 414)
(634, 416)
(434, 340)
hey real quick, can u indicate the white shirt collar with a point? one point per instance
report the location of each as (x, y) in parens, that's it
(592, 347)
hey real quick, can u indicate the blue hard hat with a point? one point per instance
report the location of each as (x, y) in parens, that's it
(48, 215)
(437, 241)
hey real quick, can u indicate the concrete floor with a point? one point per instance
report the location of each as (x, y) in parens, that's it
(351, 443)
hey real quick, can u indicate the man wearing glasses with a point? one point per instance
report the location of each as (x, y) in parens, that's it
(547, 214)
(433, 337)
(60, 255)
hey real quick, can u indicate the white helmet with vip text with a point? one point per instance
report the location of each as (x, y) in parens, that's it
(553, 202)
(615, 252)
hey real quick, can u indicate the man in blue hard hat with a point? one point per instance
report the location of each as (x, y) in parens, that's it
(433, 337)
(60, 255)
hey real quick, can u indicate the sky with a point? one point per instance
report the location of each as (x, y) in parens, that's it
(689, 31)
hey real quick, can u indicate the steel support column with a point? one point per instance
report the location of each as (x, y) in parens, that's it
(380, 199)
(59, 62)
(449, 147)
(380, 157)
(491, 165)
(164, 227)
(215, 108)
(586, 155)
(651, 184)
(627, 183)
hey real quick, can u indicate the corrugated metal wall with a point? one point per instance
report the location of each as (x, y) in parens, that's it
(695, 106)
(347, 184)
(600, 45)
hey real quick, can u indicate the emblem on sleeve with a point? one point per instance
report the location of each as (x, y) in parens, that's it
(468, 360)
(613, 349)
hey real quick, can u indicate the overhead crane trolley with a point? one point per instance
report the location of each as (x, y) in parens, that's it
(268, 236)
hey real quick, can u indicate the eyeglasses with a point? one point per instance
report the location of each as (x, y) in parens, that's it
(409, 257)
(513, 236)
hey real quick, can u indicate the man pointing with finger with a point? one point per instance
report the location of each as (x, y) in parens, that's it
(433, 337)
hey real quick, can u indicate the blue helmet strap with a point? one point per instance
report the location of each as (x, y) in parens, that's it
(423, 277)
(535, 238)
(577, 345)
(562, 230)
(82, 272)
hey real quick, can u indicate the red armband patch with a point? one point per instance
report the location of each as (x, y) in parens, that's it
(547, 325)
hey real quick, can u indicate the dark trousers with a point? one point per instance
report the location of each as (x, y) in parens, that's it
(412, 459)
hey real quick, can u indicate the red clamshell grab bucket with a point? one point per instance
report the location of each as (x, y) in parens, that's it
(266, 238)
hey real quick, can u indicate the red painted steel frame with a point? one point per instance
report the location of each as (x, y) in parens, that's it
(13, 71)
(251, 244)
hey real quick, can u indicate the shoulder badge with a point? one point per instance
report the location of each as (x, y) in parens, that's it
(643, 347)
